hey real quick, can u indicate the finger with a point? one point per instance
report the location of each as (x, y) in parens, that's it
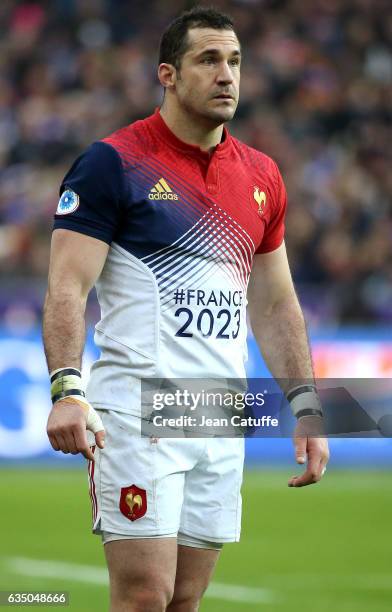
(317, 461)
(311, 475)
(62, 444)
(94, 421)
(300, 449)
(100, 438)
(82, 444)
(301, 481)
(53, 441)
(88, 453)
(323, 466)
(70, 442)
(76, 450)
(314, 467)
(305, 479)
(291, 482)
(325, 458)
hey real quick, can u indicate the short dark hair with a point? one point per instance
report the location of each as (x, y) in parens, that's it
(174, 43)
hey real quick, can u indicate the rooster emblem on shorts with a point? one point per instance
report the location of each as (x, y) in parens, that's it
(133, 502)
(260, 198)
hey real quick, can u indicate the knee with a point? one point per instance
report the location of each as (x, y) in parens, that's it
(187, 596)
(186, 604)
(152, 595)
(149, 600)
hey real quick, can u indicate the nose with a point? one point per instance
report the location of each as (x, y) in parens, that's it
(225, 75)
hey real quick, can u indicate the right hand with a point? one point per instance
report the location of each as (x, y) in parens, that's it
(68, 422)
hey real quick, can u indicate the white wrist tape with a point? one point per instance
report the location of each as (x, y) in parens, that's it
(66, 383)
(304, 401)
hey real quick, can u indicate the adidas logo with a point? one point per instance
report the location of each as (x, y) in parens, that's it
(162, 191)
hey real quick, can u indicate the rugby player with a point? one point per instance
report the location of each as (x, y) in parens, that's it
(164, 216)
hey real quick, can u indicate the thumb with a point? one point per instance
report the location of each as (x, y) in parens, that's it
(300, 449)
(100, 438)
(94, 424)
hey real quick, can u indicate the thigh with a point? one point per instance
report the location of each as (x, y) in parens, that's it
(195, 567)
(141, 565)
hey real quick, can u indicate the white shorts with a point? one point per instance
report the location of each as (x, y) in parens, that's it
(161, 486)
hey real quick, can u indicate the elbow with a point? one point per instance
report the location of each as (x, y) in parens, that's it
(287, 305)
(65, 293)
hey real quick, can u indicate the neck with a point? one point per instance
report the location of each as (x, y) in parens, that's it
(183, 125)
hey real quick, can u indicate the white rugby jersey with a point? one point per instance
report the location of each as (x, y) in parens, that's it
(183, 227)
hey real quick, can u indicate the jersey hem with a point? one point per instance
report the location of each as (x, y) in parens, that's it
(269, 249)
(75, 227)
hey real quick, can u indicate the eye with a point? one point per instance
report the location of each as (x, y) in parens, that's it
(208, 60)
(235, 61)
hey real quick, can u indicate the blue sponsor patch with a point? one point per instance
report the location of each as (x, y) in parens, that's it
(68, 202)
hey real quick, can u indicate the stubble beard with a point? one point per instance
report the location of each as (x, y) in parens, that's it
(207, 114)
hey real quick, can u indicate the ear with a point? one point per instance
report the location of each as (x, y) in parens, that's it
(167, 75)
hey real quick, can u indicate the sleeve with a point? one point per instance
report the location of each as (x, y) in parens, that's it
(274, 232)
(92, 194)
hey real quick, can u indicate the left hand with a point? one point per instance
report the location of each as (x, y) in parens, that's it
(311, 448)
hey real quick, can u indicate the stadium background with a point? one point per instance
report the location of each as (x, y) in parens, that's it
(316, 96)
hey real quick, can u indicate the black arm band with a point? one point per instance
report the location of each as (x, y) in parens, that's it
(308, 412)
(304, 401)
(58, 396)
(65, 372)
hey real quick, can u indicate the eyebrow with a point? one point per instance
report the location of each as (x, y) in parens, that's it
(212, 51)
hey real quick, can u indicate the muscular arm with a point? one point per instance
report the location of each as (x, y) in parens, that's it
(277, 320)
(279, 328)
(76, 261)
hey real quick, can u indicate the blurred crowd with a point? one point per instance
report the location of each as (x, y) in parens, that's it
(316, 95)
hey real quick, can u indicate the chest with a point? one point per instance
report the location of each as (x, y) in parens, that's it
(173, 199)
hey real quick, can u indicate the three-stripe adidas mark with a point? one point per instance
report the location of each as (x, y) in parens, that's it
(162, 191)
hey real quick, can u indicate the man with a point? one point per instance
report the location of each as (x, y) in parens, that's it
(161, 216)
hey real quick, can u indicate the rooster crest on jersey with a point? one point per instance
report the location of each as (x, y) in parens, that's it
(162, 191)
(133, 502)
(260, 198)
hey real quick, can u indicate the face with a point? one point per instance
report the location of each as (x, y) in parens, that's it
(207, 84)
